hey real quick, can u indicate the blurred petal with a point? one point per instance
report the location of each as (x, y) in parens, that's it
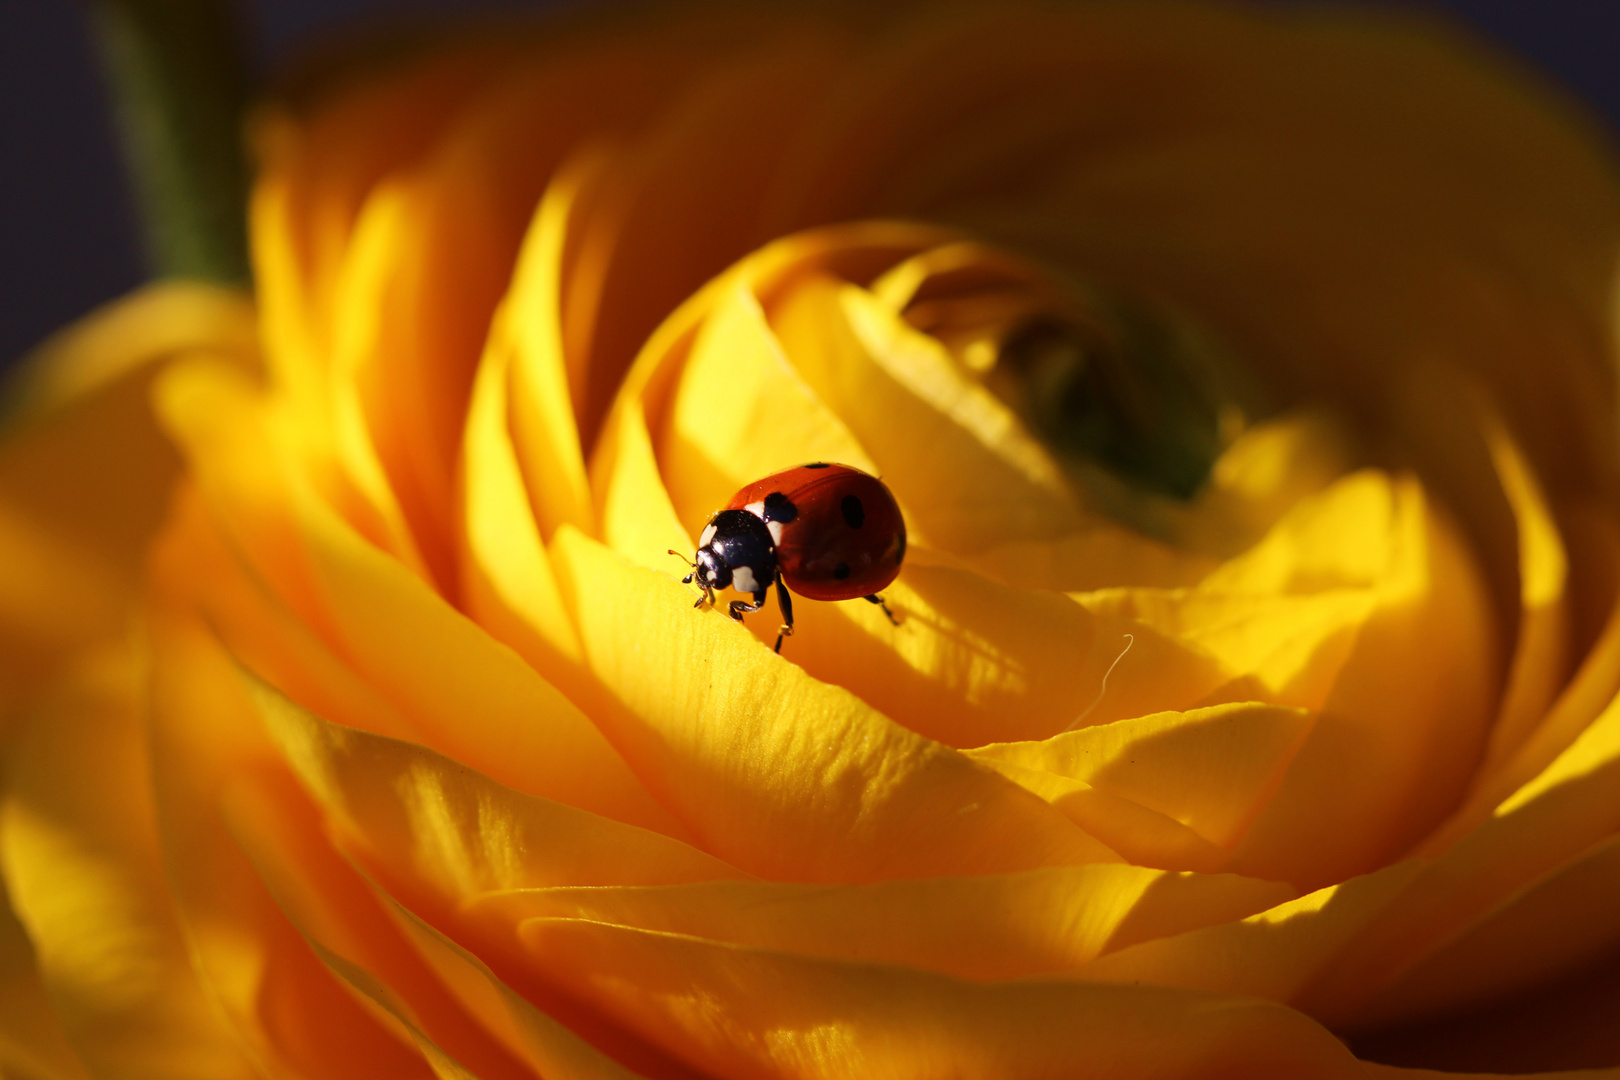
(1582, 698)
(85, 472)
(1540, 663)
(31, 1039)
(81, 861)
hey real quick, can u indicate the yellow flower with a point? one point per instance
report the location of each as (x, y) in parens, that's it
(357, 722)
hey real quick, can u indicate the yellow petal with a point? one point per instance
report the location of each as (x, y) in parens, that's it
(470, 695)
(736, 1011)
(331, 907)
(454, 831)
(974, 662)
(1102, 556)
(741, 411)
(283, 1003)
(985, 928)
(1277, 954)
(467, 694)
(638, 519)
(317, 166)
(80, 854)
(959, 460)
(1362, 604)
(549, 1047)
(1210, 769)
(778, 774)
(1142, 836)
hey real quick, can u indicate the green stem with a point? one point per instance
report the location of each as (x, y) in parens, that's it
(178, 75)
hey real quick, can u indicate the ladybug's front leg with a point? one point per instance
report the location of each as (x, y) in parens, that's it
(739, 608)
(785, 601)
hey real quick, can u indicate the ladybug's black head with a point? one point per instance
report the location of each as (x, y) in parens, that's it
(736, 550)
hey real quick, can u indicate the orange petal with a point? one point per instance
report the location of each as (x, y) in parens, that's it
(1549, 930)
(1276, 954)
(1545, 828)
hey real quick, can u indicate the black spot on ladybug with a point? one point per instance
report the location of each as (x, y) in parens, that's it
(778, 507)
(841, 571)
(816, 465)
(854, 512)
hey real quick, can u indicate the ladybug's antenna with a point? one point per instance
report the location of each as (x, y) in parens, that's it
(687, 580)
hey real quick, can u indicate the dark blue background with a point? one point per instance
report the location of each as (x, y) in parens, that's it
(67, 238)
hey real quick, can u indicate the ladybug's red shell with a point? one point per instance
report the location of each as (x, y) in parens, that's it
(838, 532)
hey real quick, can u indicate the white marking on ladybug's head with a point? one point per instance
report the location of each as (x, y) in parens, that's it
(708, 534)
(742, 579)
(757, 509)
(775, 529)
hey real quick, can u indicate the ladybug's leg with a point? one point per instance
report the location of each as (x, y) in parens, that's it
(739, 608)
(785, 602)
(878, 600)
(705, 595)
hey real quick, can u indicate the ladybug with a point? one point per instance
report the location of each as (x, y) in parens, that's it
(828, 532)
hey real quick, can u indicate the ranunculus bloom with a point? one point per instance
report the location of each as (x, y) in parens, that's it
(358, 724)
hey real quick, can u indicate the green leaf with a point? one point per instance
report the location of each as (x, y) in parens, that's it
(178, 75)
